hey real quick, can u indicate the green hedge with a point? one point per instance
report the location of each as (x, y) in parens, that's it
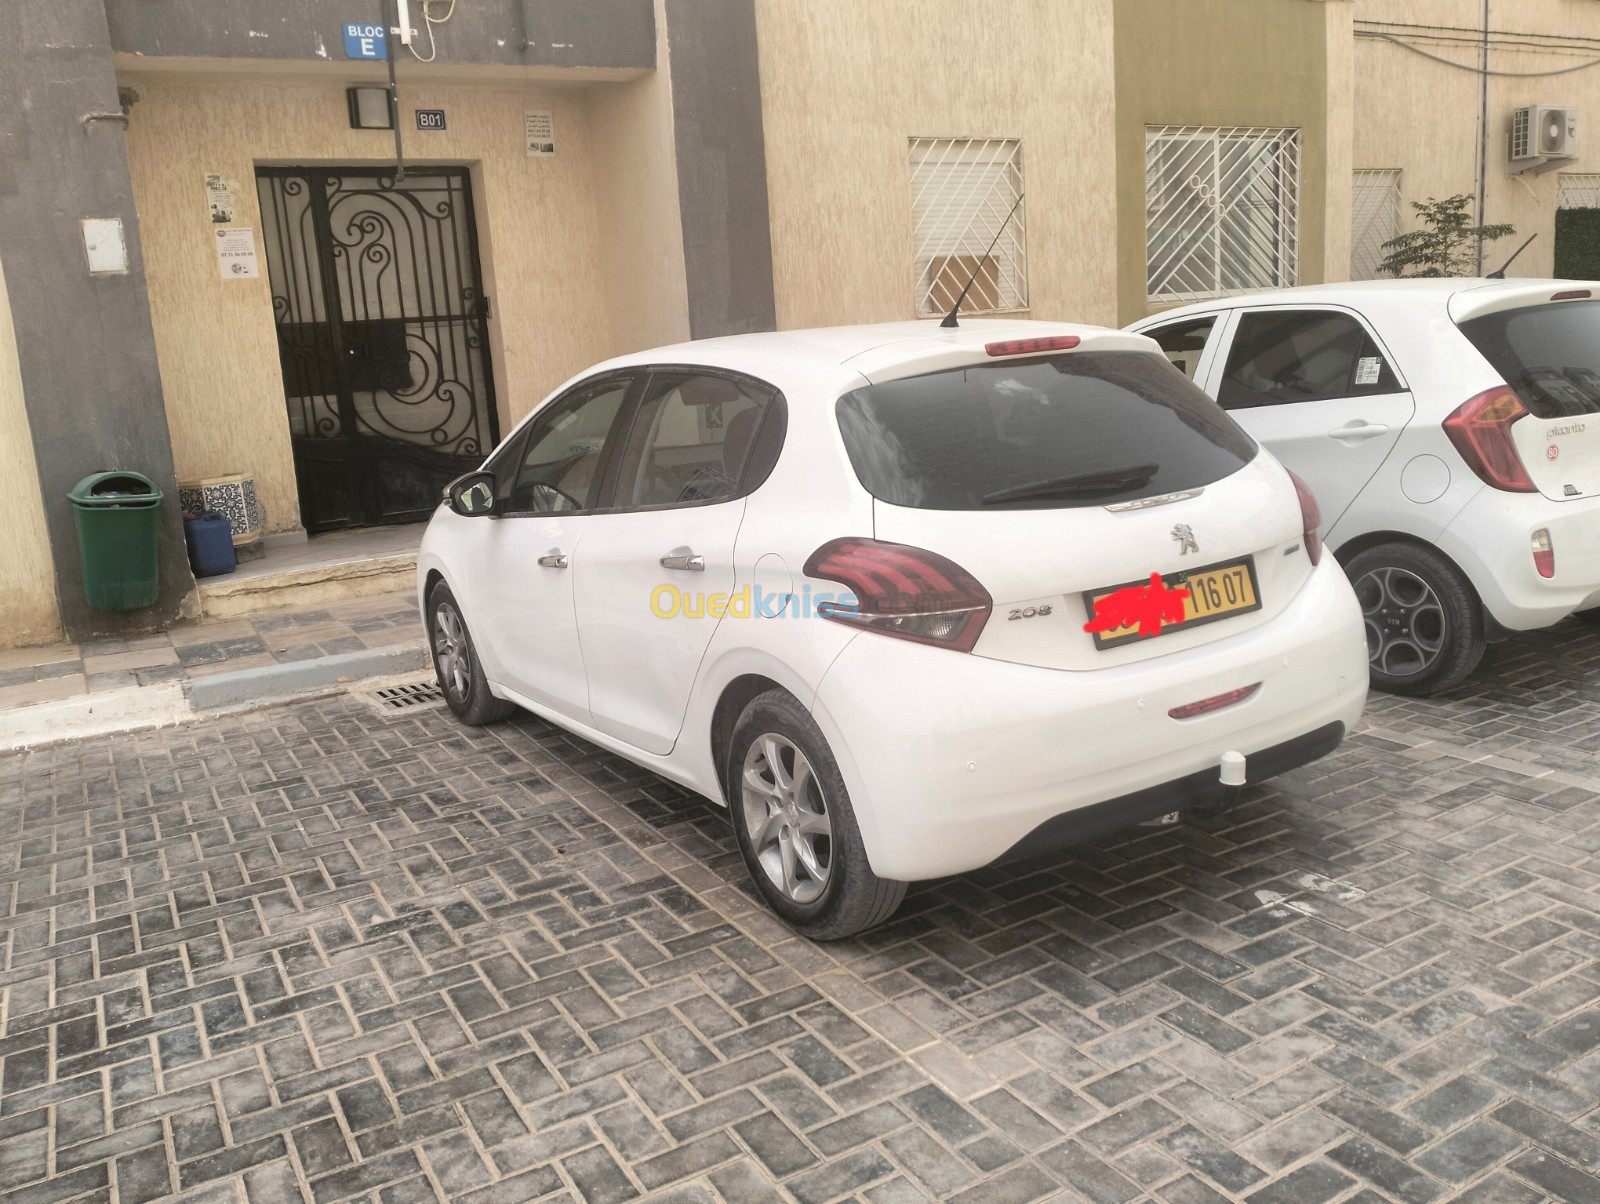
(1578, 244)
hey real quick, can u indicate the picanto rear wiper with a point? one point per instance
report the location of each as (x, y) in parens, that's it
(1085, 484)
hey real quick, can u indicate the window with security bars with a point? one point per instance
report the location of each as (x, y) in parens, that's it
(1374, 220)
(1578, 190)
(1221, 210)
(962, 191)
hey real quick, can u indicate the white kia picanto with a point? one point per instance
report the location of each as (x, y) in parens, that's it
(908, 600)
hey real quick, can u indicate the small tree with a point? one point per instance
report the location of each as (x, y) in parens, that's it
(1445, 246)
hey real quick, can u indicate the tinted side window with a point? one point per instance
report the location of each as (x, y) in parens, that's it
(1281, 357)
(690, 441)
(1088, 428)
(560, 461)
(1184, 342)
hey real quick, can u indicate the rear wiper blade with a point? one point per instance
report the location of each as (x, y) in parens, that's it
(1084, 484)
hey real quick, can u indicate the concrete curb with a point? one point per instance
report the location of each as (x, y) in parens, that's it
(66, 719)
(140, 708)
(271, 683)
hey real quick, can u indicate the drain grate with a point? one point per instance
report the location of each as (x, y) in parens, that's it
(407, 696)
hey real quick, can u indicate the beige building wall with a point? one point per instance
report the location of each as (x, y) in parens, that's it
(1235, 63)
(27, 569)
(845, 86)
(636, 195)
(1422, 117)
(541, 227)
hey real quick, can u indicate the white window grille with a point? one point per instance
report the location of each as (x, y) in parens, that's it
(1374, 219)
(1221, 210)
(1578, 190)
(962, 191)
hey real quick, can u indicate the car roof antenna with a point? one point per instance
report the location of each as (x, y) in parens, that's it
(950, 322)
(1501, 273)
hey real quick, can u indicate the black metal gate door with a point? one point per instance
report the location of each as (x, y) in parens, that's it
(382, 333)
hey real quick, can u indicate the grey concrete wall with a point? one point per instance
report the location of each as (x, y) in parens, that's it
(722, 165)
(84, 343)
(555, 33)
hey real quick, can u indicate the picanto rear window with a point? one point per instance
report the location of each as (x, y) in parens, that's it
(1088, 428)
(1549, 354)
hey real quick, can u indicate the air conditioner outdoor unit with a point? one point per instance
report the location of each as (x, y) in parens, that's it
(1542, 137)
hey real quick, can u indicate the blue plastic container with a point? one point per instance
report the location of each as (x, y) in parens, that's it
(210, 542)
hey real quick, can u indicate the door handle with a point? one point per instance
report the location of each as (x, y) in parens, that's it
(684, 559)
(555, 558)
(1359, 430)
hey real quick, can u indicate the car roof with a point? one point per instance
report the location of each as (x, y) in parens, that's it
(1371, 296)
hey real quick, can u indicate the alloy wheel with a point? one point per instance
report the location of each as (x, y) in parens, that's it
(786, 818)
(452, 650)
(1406, 625)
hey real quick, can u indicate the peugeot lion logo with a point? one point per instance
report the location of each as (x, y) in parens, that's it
(1185, 538)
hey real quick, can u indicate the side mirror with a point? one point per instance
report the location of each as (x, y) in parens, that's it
(471, 496)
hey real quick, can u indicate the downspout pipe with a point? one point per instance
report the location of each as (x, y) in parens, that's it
(1483, 129)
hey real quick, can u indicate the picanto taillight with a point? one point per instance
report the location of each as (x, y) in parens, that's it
(1481, 432)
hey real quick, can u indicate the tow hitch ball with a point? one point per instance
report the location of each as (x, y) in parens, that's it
(1232, 778)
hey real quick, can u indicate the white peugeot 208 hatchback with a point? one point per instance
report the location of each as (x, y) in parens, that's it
(907, 600)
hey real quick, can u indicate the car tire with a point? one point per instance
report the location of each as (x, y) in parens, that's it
(456, 664)
(1425, 630)
(796, 827)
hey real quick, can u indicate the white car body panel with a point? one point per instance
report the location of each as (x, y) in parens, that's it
(1047, 740)
(1422, 488)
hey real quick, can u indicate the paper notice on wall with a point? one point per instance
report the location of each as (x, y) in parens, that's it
(219, 195)
(236, 253)
(1368, 368)
(540, 130)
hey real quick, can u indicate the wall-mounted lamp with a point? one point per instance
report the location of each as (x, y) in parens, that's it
(369, 109)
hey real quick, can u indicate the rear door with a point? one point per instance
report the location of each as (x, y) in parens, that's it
(655, 574)
(1316, 387)
(1549, 354)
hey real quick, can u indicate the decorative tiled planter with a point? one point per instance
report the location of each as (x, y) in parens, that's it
(233, 496)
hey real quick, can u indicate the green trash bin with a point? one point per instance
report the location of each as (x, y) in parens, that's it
(119, 529)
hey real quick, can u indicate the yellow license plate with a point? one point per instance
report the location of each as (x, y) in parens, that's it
(1216, 591)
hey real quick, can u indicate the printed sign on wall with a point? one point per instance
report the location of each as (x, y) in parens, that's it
(540, 129)
(219, 196)
(236, 253)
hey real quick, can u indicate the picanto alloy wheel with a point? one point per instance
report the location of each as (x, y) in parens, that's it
(795, 824)
(455, 662)
(1424, 622)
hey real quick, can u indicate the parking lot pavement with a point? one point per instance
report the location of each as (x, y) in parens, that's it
(315, 952)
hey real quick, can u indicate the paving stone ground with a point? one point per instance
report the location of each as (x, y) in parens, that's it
(318, 954)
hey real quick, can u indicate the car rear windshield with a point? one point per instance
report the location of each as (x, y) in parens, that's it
(1549, 354)
(1082, 429)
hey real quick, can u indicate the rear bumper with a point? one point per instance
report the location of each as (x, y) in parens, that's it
(953, 760)
(1182, 794)
(1491, 540)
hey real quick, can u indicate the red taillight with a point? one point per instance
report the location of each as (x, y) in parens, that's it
(1310, 519)
(1481, 432)
(1206, 705)
(909, 593)
(1055, 342)
(1572, 294)
(1544, 553)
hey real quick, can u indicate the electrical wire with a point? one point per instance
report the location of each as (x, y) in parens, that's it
(428, 22)
(1476, 70)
